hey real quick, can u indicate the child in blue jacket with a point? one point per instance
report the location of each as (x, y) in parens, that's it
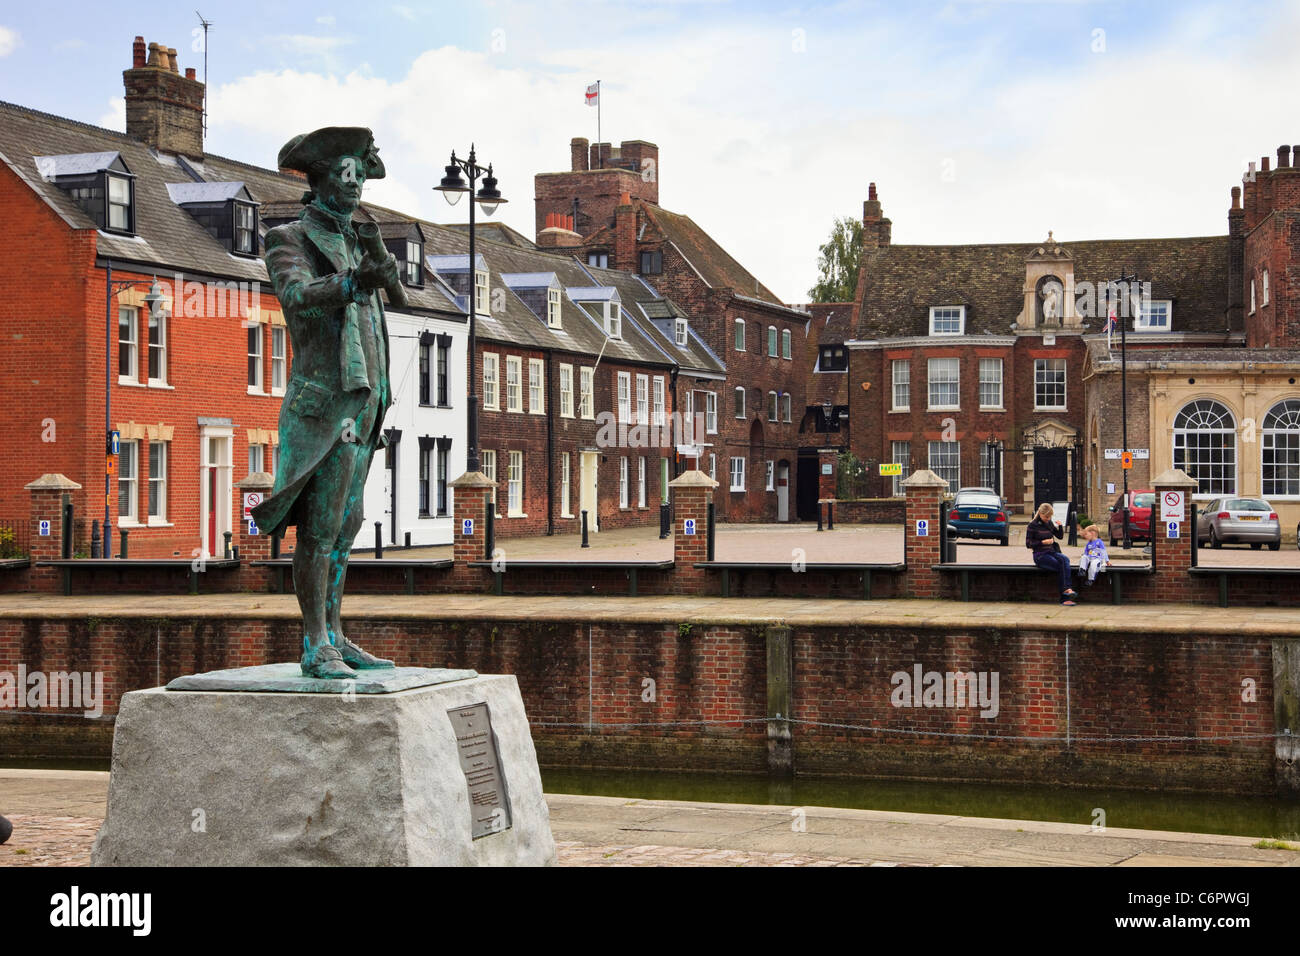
(1094, 557)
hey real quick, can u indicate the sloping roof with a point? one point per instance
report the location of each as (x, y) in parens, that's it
(498, 232)
(900, 283)
(73, 164)
(714, 264)
(182, 193)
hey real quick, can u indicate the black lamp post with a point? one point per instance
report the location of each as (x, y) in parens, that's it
(1123, 396)
(153, 299)
(489, 197)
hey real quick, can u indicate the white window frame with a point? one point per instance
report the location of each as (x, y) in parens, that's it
(710, 413)
(1041, 370)
(624, 396)
(536, 387)
(786, 344)
(128, 451)
(279, 362)
(566, 391)
(1281, 442)
(1252, 296)
(514, 384)
(770, 475)
(161, 348)
(492, 381)
(255, 334)
(1228, 453)
(986, 365)
(787, 404)
(488, 462)
(643, 399)
(737, 468)
(931, 380)
(1263, 276)
(640, 482)
(943, 462)
(133, 345)
(256, 458)
(553, 309)
(904, 381)
(944, 313)
(679, 333)
(713, 467)
(158, 517)
(623, 496)
(738, 337)
(613, 320)
(1144, 316)
(565, 489)
(740, 401)
(658, 406)
(586, 392)
(771, 341)
(900, 453)
(515, 486)
(482, 293)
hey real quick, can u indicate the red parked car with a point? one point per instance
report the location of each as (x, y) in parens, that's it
(1140, 504)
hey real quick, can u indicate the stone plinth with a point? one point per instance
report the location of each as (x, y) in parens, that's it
(224, 778)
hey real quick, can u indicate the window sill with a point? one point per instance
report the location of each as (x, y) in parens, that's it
(737, 491)
(133, 382)
(159, 383)
(153, 523)
(256, 391)
(277, 393)
(992, 408)
(943, 408)
(1050, 408)
(491, 408)
(570, 517)
(905, 408)
(129, 523)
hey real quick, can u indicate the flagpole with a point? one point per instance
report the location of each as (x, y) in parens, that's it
(600, 146)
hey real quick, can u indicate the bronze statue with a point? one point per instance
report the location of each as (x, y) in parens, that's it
(327, 280)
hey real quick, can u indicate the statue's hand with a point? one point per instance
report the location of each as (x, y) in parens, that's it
(376, 273)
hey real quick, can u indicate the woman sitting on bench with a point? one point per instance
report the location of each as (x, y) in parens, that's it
(1040, 536)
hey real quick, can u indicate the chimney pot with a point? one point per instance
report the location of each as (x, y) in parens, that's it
(1263, 164)
(137, 53)
(154, 53)
(1236, 197)
(171, 60)
(1283, 157)
(568, 224)
(189, 73)
(871, 191)
(625, 199)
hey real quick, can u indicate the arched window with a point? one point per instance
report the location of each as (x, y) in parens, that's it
(740, 396)
(1281, 450)
(1205, 446)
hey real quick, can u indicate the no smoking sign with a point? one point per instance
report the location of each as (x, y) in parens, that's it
(1173, 506)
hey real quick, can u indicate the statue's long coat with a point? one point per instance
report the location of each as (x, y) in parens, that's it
(330, 382)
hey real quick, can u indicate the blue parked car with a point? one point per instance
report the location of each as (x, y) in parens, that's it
(978, 513)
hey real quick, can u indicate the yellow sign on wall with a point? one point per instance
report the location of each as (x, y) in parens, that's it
(891, 468)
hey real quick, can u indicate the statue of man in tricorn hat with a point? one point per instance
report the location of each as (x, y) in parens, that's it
(331, 421)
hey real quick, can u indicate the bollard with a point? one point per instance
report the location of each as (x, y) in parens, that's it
(585, 543)
(66, 543)
(489, 531)
(234, 552)
(819, 516)
(708, 555)
(94, 538)
(1192, 513)
(830, 516)
(665, 522)
(122, 548)
(228, 536)
(275, 546)
(379, 539)
(408, 539)
(947, 544)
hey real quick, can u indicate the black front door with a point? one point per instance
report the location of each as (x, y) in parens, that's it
(807, 483)
(1051, 475)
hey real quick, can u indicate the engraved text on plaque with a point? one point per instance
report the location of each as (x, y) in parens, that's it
(489, 804)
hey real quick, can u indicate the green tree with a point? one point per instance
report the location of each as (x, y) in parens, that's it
(837, 268)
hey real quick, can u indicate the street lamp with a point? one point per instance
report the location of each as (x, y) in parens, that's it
(1123, 394)
(453, 184)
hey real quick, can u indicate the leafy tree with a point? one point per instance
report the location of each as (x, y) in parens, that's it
(837, 268)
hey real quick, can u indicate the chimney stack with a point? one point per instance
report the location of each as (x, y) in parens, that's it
(1283, 157)
(164, 109)
(578, 147)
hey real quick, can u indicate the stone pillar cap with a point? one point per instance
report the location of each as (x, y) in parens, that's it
(923, 478)
(473, 479)
(1175, 478)
(52, 481)
(257, 479)
(693, 479)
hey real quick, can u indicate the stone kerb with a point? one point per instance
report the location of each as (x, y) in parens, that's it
(692, 494)
(923, 490)
(1172, 555)
(253, 546)
(48, 494)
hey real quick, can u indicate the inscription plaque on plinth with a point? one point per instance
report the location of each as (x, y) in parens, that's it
(489, 803)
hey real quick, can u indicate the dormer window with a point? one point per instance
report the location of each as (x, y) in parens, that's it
(245, 228)
(481, 300)
(599, 259)
(553, 308)
(225, 209)
(100, 183)
(413, 273)
(833, 358)
(651, 262)
(613, 320)
(1154, 316)
(679, 333)
(947, 319)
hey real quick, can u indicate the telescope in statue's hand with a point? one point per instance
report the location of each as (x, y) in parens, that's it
(373, 247)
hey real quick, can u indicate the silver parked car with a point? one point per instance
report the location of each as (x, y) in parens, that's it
(1247, 520)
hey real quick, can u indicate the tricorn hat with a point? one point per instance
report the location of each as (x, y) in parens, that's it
(330, 142)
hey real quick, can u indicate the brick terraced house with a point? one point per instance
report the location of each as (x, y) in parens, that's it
(607, 207)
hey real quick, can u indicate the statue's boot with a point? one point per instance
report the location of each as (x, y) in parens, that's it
(325, 662)
(358, 658)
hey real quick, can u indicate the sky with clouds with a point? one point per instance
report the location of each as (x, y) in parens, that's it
(980, 122)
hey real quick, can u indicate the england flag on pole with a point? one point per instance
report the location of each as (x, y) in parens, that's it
(593, 94)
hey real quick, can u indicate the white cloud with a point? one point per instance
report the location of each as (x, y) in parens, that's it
(115, 116)
(9, 40)
(765, 146)
(326, 21)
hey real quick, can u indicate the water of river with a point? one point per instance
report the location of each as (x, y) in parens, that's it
(1197, 813)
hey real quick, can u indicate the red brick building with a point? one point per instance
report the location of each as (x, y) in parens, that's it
(609, 200)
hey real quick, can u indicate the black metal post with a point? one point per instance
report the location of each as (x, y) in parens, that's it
(585, 542)
(407, 540)
(830, 516)
(709, 539)
(379, 539)
(66, 543)
(665, 526)
(471, 427)
(489, 531)
(229, 536)
(1072, 519)
(819, 516)
(94, 538)
(275, 546)
(1123, 395)
(1196, 534)
(122, 533)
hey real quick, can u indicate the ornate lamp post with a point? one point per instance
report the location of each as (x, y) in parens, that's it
(489, 197)
(1123, 394)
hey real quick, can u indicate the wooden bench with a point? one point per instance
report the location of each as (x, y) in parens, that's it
(407, 566)
(632, 568)
(1223, 574)
(1115, 572)
(122, 565)
(741, 568)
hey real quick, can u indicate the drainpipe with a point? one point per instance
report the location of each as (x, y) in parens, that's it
(551, 411)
